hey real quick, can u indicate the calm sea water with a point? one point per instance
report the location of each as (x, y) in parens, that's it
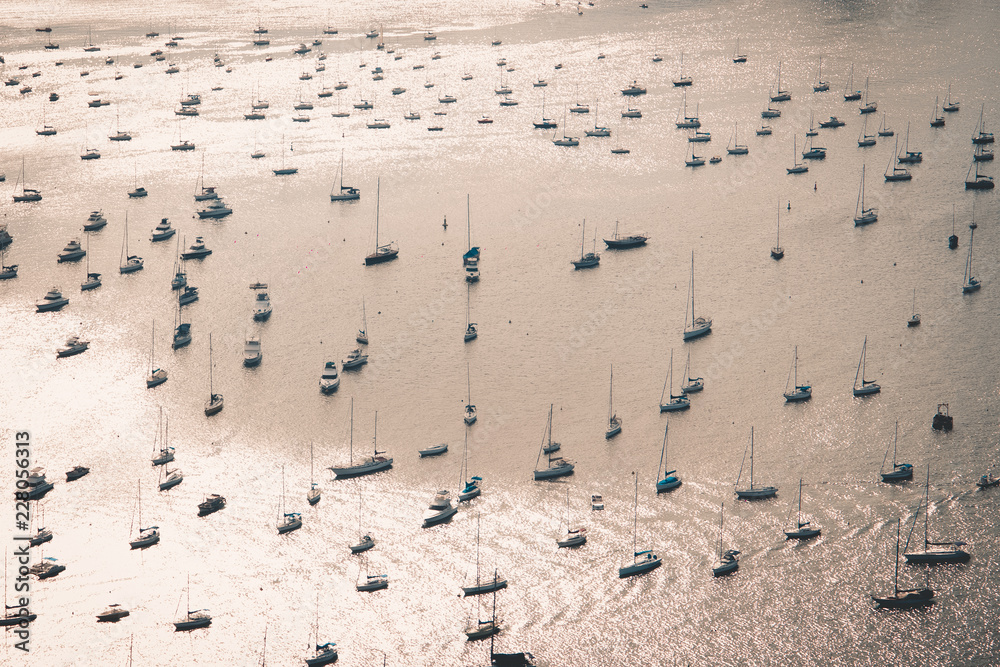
(548, 335)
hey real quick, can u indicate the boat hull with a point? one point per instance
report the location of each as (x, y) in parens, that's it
(674, 406)
(867, 390)
(905, 599)
(489, 587)
(193, 624)
(552, 473)
(379, 258)
(433, 451)
(937, 556)
(439, 517)
(757, 493)
(366, 469)
(638, 568)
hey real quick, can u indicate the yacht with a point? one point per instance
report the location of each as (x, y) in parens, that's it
(354, 359)
(37, 485)
(439, 510)
(197, 250)
(163, 231)
(184, 145)
(833, 122)
(262, 303)
(329, 380)
(91, 154)
(76, 473)
(72, 252)
(189, 295)
(94, 222)
(634, 89)
(212, 503)
(54, 300)
(373, 582)
(73, 346)
(138, 193)
(216, 209)
(378, 124)
(113, 614)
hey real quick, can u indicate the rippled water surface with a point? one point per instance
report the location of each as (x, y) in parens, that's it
(547, 334)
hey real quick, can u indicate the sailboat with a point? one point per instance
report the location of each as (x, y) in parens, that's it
(372, 582)
(482, 629)
(215, 401)
(383, 253)
(557, 466)
(797, 167)
(866, 106)
(287, 521)
(147, 536)
(935, 552)
(850, 94)
(980, 135)
(737, 56)
(470, 487)
(782, 95)
(565, 140)
(903, 598)
(614, 421)
(470, 260)
(323, 654)
(369, 464)
(470, 327)
(15, 614)
(470, 409)
(821, 86)
(728, 561)
(777, 252)
(937, 119)
(642, 561)
(8, 271)
(908, 156)
(622, 242)
(344, 193)
(93, 279)
(480, 586)
(862, 215)
(897, 173)
(362, 336)
(690, 385)
(315, 494)
(574, 537)
(587, 259)
(137, 191)
(600, 130)
(950, 105)
(801, 530)
(970, 283)
(915, 317)
(800, 392)
(899, 471)
(182, 329)
(682, 80)
(977, 181)
(157, 376)
(884, 130)
(864, 139)
(737, 148)
(544, 123)
(679, 402)
(685, 121)
(365, 541)
(165, 453)
(128, 263)
(284, 171)
(669, 479)
(699, 325)
(753, 492)
(867, 386)
(198, 618)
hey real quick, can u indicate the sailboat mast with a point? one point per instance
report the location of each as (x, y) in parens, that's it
(692, 290)
(635, 515)
(378, 188)
(352, 431)
(376, 433)
(751, 458)
(722, 517)
(611, 394)
(895, 583)
(468, 218)
(211, 390)
(927, 505)
(798, 518)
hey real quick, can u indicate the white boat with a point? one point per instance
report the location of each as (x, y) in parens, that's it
(283, 170)
(7, 271)
(574, 537)
(862, 215)
(667, 480)
(821, 86)
(699, 325)
(163, 453)
(797, 167)
(147, 537)
(907, 156)
(95, 221)
(969, 282)
(488, 586)
(197, 250)
(482, 629)
(682, 80)
(215, 401)
(199, 618)
(867, 386)
(866, 140)
(262, 302)
(53, 300)
(384, 252)
(752, 492)
(170, 478)
(915, 316)
(163, 231)
(329, 380)
(729, 560)
(470, 487)
(366, 541)
(614, 421)
(344, 193)
(369, 464)
(813, 152)
(690, 385)
(354, 359)
(315, 493)
(373, 582)
(587, 259)
(73, 252)
(322, 654)
(215, 209)
(471, 333)
(798, 392)
(893, 172)
(596, 502)
(128, 263)
(736, 148)
(74, 345)
(470, 409)
(801, 530)
(934, 553)
(685, 121)
(556, 466)
(440, 509)
(252, 352)
(112, 614)
(362, 336)
(678, 402)
(782, 95)
(287, 521)
(119, 135)
(157, 376)
(433, 450)
(642, 561)
(903, 598)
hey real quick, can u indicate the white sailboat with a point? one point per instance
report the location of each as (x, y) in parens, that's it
(362, 336)
(777, 252)
(668, 479)
(801, 530)
(969, 282)
(934, 553)
(470, 409)
(369, 464)
(147, 537)
(862, 215)
(215, 401)
(315, 493)
(470, 487)
(93, 279)
(343, 193)
(128, 263)
(614, 421)
(753, 492)
(470, 327)
(867, 386)
(199, 618)
(915, 316)
(322, 654)
(157, 376)
(690, 385)
(678, 402)
(699, 325)
(556, 466)
(574, 537)
(642, 561)
(728, 561)
(287, 521)
(899, 471)
(798, 392)
(481, 586)
(365, 539)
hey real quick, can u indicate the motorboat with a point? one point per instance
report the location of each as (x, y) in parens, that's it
(252, 352)
(215, 209)
(73, 346)
(439, 510)
(95, 222)
(262, 303)
(373, 582)
(329, 380)
(37, 485)
(355, 358)
(596, 502)
(72, 252)
(76, 473)
(163, 231)
(112, 614)
(138, 193)
(833, 122)
(212, 503)
(634, 89)
(434, 450)
(53, 300)
(197, 250)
